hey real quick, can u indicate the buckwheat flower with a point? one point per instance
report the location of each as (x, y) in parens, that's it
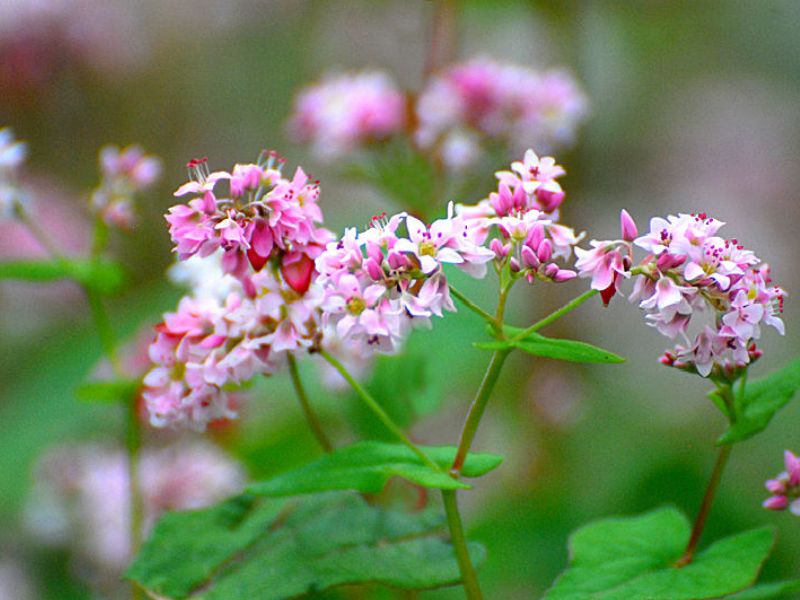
(785, 488)
(529, 236)
(344, 112)
(124, 173)
(692, 275)
(80, 499)
(483, 101)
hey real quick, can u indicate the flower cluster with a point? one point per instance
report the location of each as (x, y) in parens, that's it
(81, 495)
(785, 488)
(378, 284)
(482, 99)
(265, 218)
(345, 111)
(691, 270)
(265, 236)
(12, 155)
(524, 212)
(125, 172)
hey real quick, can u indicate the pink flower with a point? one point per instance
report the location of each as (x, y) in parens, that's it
(785, 489)
(345, 111)
(482, 100)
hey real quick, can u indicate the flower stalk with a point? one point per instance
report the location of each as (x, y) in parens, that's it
(308, 411)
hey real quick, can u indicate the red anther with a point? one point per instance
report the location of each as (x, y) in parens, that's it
(702, 216)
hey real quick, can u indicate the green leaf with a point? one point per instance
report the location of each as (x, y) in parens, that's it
(769, 591)
(632, 558)
(367, 467)
(101, 275)
(763, 397)
(108, 392)
(558, 349)
(269, 549)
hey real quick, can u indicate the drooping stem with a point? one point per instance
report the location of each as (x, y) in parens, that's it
(554, 316)
(477, 409)
(376, 408)
(705, 506)
(468, 576)
(308, 410)
(472, 306)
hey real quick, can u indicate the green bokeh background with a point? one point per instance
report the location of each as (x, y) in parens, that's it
(695, 106)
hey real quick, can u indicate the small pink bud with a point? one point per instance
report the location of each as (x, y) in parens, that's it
(535, 236)
(298, 274)
(792, 467)
(529, 258)
(628, 227)
(545, 251)
(374, 252)
(374, 270)
(564, 275)
(551, 270)
(669, 261)
(396, 260)
(775, 486)
(776, 503)
(549, 200)
(514, 264)
(497, 247)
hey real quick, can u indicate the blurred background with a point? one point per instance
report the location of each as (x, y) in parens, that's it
(695, 106)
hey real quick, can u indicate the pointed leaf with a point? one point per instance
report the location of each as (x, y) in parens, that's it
(274, 549)
(557, 349)
(762, 399)
(633, 557)
(367, 467)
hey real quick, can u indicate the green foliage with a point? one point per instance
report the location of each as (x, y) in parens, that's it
(632, 558)
(557, 349)
(101, 275)
(367, 467)
(402, 173)
(770, 591)
(763, 397)
(108, 392)
(274, 549)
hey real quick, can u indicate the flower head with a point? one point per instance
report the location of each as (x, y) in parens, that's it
(785, 488)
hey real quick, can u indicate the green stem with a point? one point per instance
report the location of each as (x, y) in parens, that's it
(477, 409)
(554, 316)
(468, 576)
(472, 306)
(133, 441)
(705, 507)
(373, 405)
(308, 410)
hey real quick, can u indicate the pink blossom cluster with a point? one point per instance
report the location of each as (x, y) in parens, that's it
(690, 270)
(124, 173)
(524, 213)
(265, 218)
(209, 345)
(378, 284)
(785, 488)
(345, 111)
(486, 100)
(265, 235)
(80, 498)
(12, 155)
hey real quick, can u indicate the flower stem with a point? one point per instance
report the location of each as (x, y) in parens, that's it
(308, 410)
(554, 316)
(472, 306)
(468, 576)
(705, 507)
(373, 405)
(108, 341)
(477, 409)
